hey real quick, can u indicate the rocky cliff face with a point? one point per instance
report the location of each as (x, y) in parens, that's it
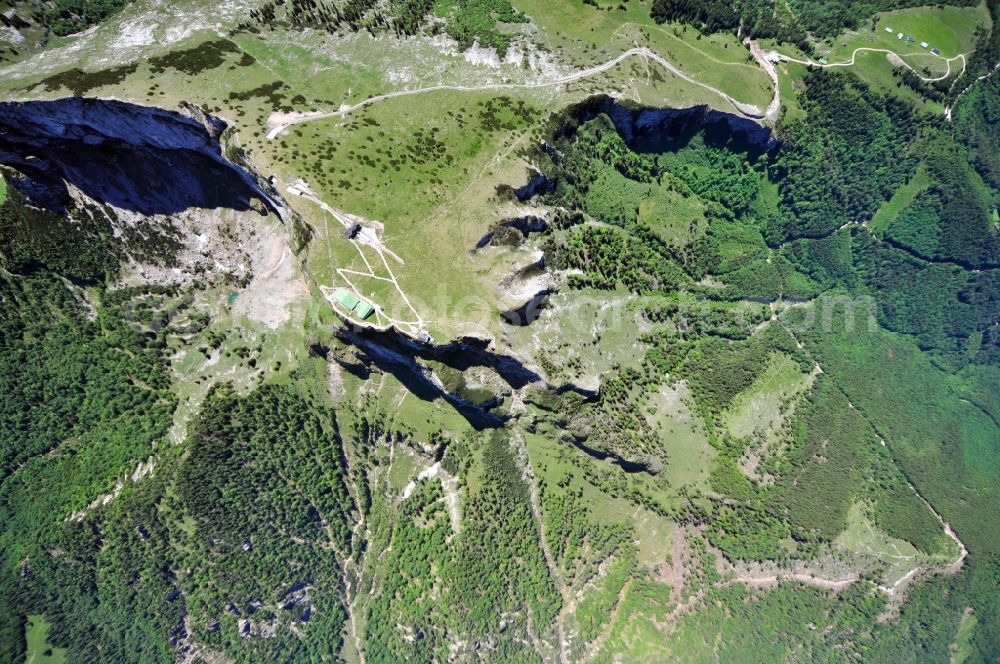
(138, 158)
(636, 122)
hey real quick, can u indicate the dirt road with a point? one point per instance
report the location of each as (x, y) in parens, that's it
(894, 57)
(279, 122)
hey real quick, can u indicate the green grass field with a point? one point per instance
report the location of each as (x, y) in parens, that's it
(405, 467)
(949, 29)
(966, 631)
(585, 35)
(764, 407)
(688, 454)
(862, 537)
(36, 633)
(426, 167)
(900, 199)
(612, 330)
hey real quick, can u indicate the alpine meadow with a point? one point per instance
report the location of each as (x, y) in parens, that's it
(569, 331)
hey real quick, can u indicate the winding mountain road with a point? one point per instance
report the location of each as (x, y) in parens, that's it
(894, 57)
(279, 122)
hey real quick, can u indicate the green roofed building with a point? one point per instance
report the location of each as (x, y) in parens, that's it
(351, 301)
(346, 298)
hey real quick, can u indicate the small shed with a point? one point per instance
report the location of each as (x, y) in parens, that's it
(900, 35)
(923, 44)
(935, 51)
(889, 30)
(364, 310)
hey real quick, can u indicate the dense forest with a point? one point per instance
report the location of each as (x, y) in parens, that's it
(86, 395)
(65, 17)
(792, 222)
(58, 17)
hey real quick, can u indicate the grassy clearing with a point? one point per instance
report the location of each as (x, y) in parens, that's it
(862, 537)
(652, 531)
(949, 29)
(404, 467)
(384, 393)
(903, 197)
(685, 444)
(427, 168)
(790, 75)
(582, 334)
(765, 406)
(963, 639)
(36, 633)
(676, 218)
(583, 35)
(654, 534)
(876, 69)
(333, 80)
(400, 159)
